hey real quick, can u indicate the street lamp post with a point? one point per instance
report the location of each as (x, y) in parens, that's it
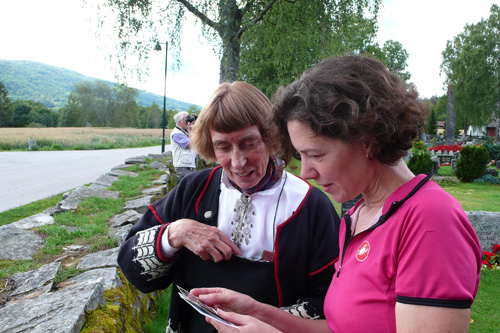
(158, 48)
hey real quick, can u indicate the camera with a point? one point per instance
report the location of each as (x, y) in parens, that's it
(191, 119)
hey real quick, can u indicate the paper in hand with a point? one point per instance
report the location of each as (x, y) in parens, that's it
(201, 307)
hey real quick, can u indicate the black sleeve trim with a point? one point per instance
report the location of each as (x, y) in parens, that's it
(444, 303)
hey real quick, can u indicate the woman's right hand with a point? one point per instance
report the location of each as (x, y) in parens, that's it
(206, 241)
(227, 300)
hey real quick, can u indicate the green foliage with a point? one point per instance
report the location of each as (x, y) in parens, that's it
(431, 126)
(301, 32)
(487, 179)
(420, 162)
(471, 163)
(103, 105)
(445, 181)
(393, 55)
(57, 146)
(493, 150)
(5, 106)
(419, 146)
(50, 85)
(469, 62)
(287, 42)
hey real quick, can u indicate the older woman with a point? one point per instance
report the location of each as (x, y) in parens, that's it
(247, 225)
(352, 121)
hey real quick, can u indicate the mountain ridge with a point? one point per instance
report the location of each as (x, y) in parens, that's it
(51, 85)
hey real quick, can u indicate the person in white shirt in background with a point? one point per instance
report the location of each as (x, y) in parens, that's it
(184, 159)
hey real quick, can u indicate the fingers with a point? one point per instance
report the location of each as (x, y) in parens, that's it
(244, 323)
(220, 327)
(205, 241)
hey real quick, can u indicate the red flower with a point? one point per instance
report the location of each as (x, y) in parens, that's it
(485, 262)
(496, 248)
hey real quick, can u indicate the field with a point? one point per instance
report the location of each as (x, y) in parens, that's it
(78, 138)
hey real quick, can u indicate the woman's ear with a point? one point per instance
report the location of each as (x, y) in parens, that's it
(369, 151)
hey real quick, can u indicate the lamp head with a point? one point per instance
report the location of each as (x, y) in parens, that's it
(157, 46)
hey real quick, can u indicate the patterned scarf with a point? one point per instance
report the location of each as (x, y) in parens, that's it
(268, 181)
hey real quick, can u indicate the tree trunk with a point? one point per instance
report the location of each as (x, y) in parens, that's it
(230, 62)
(450, 117)
(229, 31)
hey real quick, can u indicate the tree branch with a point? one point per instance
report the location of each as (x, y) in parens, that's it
(257, 19)
(198, 14)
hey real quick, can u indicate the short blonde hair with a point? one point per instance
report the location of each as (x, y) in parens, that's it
(233, 106)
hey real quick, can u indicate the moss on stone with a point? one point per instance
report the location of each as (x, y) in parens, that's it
(126, 310)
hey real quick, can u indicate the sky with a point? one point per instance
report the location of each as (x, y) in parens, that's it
(61, 33)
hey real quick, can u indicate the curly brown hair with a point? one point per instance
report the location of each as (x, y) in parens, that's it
(357, 100)
(233, 106)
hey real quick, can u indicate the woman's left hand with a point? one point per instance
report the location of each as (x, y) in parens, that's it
(245, 323)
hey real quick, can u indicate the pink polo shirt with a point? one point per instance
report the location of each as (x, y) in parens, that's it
(425, 252)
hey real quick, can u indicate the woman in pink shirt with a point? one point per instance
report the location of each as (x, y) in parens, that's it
(352, 122)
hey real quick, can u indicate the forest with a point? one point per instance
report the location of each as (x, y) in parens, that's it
(38, 95)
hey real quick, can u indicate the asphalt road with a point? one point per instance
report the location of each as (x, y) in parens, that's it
(30, 176)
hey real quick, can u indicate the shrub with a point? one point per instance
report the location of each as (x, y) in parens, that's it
(471, 163)
(448, 181)
(493, 150)
(419, 145)
(487, 179)
(56, 146)
(420, 162)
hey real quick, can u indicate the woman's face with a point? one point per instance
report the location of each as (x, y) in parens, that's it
(341, 169)
(243, 155)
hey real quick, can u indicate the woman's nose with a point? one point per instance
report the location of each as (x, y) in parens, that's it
(307, 172)
(238, 159)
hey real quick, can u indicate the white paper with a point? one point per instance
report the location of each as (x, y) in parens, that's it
(201, 307)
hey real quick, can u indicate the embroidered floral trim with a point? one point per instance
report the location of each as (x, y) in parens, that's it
(301, 310)
(145, 254)
(241, 225)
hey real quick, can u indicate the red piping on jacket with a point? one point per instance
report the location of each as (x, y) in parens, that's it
(324, 267)
(197, 207)
(160, 233)
(276, 247)
(153, 210)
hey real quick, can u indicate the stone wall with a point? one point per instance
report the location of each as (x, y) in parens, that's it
(487, 226)
(99, 299)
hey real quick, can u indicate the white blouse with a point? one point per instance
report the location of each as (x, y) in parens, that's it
(253, 228)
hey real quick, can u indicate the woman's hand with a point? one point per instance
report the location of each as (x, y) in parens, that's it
(252, 316)
(207, 242)
(227, 300)
(244, 323)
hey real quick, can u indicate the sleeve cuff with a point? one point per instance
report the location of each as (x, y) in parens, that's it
(166, 249)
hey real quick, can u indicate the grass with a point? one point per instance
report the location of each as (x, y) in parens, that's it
(18, 213)
(485, 312)
(79, 138)
(476, 196)
(159, 322)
